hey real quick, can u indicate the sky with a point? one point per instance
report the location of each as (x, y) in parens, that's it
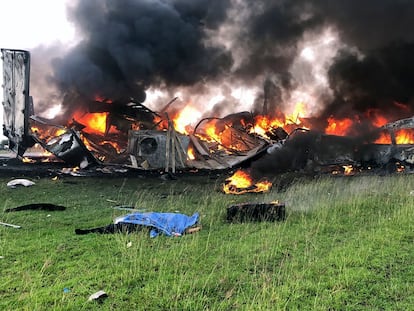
(27, 24)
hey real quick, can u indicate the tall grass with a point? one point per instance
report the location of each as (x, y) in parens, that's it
(347, 244)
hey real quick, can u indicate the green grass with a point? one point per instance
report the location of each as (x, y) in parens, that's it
(347, 244)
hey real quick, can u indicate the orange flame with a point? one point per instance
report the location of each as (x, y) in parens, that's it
(93, 122)
(404, 136)
(211, 131)
(183, 121)
(348, 169)
(263, 124)
(400, 167)
(298, 112)
(338, 126)
(28, 160)
(114, 145)
(190, 153)
(44, 133)
(241, 182)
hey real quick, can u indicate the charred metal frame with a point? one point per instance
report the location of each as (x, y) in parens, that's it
(17, 104)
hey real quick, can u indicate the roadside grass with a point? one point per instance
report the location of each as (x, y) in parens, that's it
(347, 244)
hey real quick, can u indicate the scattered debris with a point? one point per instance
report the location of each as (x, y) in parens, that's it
(20, 182)
(10, 225)
(273, 211)
(98, 296)
(36, 206)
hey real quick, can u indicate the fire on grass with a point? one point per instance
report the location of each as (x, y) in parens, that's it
(241, 182)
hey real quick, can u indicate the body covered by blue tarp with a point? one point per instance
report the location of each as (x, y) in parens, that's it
(171, 224)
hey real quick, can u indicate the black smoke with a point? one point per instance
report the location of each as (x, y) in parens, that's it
(374, 71)
(383, 80)
(129, 45)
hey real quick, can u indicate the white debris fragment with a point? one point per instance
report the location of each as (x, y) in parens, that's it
(20, 182)
(98, 295)
(9, 225)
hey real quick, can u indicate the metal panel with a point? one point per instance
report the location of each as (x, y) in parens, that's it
(150, 146)
(64, 143)
(17, 104)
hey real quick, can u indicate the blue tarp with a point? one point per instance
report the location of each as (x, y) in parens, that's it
(171, 224)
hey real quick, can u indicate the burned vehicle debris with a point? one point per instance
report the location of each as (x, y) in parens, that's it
(126, 133)
(122, 133)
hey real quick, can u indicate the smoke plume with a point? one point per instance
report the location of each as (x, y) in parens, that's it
(342, 58)
(130, 45)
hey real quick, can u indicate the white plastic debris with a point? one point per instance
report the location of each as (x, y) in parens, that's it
(9, 225)
(20, 182)
(98, 295)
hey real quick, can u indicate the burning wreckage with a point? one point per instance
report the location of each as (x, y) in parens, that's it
(130, 135)
(126, 133)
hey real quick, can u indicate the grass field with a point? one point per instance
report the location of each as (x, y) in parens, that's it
(346, 244)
